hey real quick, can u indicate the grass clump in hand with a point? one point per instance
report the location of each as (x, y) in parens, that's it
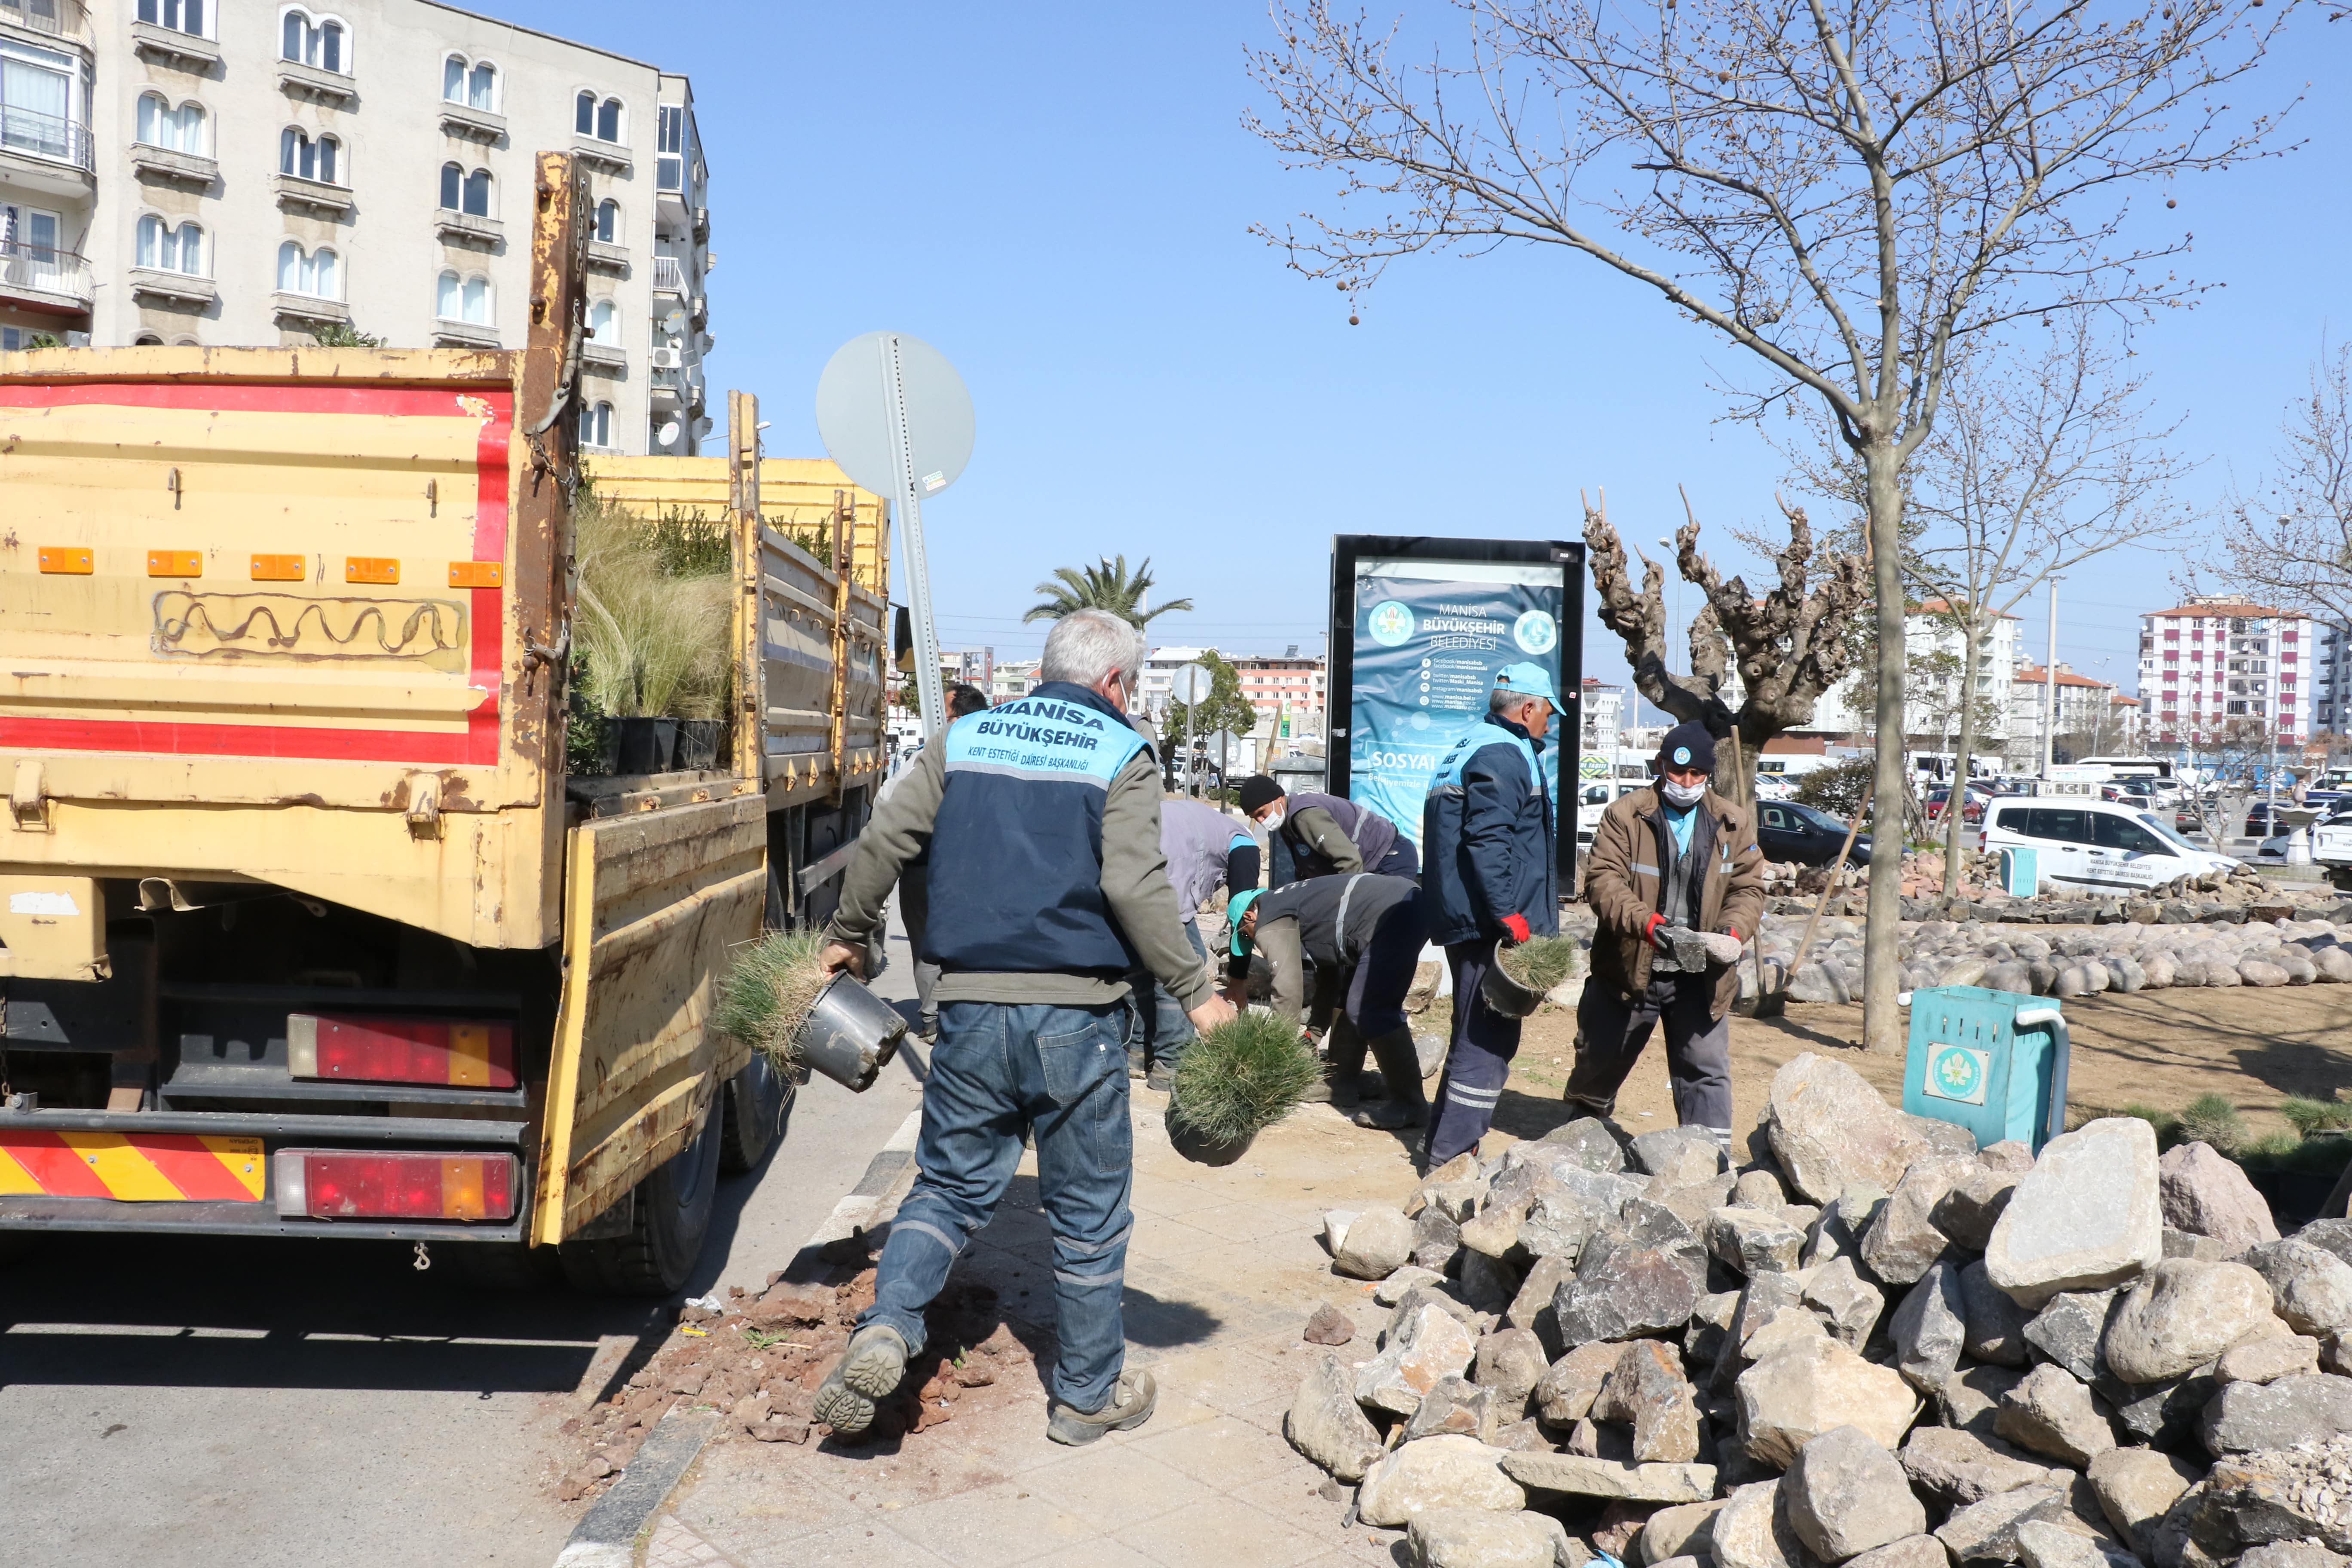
(1240, 1076)
(1540, 962)
(766, 996)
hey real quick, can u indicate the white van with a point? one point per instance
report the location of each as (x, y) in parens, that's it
(2097, 845)
(1593, 798)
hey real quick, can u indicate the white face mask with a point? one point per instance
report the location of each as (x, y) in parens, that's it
(1271, 820)
(1682, 796)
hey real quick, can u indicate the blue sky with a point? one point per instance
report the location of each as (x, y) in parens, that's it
(1058, 197)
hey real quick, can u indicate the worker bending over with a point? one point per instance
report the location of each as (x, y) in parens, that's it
(1206, 850)
(1673, 856)
(1363, 934)
(1312, 835)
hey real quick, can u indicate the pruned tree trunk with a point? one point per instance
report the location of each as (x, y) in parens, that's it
(1956, 802)
(1881, 1026)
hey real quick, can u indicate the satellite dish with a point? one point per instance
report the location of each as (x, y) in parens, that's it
(856, 417)
(669, 434)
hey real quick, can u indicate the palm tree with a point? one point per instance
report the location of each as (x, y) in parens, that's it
(1105, 585)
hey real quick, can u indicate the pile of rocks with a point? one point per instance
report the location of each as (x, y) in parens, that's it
(1880, 1347)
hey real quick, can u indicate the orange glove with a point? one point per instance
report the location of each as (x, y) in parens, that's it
(1650, 932)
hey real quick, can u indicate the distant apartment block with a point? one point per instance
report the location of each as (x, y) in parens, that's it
(2218, 662)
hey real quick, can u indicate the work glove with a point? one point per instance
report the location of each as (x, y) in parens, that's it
(1515, 927)
(1723, 948)
(1653, 934)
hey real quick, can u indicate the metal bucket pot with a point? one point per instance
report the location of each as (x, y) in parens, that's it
(1204, 1151)
(1501, 993)
(850, 1034)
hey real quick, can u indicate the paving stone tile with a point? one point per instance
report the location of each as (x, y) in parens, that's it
(1092, 1554)
(1112, 1486)
(872, 1545)
(673, 1545)
(992, 1527)
(1223, 1532)
(1245, 1222)
(1227, 1377)
(1293, 1495)
(1165, 1235)
(1222, 1454)
(740, 1489)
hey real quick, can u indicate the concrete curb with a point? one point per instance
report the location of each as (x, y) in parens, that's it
(608, 1534)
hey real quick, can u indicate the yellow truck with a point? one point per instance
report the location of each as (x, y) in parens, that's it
(305, 926)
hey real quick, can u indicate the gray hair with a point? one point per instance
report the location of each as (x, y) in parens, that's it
(1087, 645)
(1503, 699)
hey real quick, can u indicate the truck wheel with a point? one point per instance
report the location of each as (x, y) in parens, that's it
(669, 1221)
(758, 1109)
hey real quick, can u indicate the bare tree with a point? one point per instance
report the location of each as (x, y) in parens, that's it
(1846, 191)
(1780, 652)
(2293, 541)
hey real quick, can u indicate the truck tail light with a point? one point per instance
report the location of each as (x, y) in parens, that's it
(458, 1054)
(344, 1183)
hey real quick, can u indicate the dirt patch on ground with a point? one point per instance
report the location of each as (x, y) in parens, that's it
(2156, 1049)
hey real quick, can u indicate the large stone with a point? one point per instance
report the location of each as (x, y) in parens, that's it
(1758, 1189)
(1830, 1130)
(1903, 1238)
(1970, 1398)
(1647, 1388)
(1441, 1293)
(1428, 1346)
(1753, 1531)
(1376, 1244)
(2135, 1489)
(2246, 1417)
(1911, 1551)
(2206, 1193)
(1591, 1142)
(1850, 1306)
(1687, 1530)
(1996, 1322)
(2085, 1216)
(1494, 1230)
(1531, 1308)
(1565, 1394)
(1437, 1472)
(2251, 1498)
(2071, 1328)
(1986, 1532)
(1954, 1468)
(1678, 1157)
(1488, 1284)
(1391, 1291)
(1694, 1202)
(1974, 1206)
(1510, 1363)
(1813, 1387)
(2329, 1236)
(1930, 1327)
(2181, 1314)
(2312, 1285)
(2051, 1413)
(1845, 1495)
(1329, 1326)
(1564, 1219)
(1581, 1476)
(1455, 1406)
(1436, 1237)
(2045, 1545)
(2293, 1555)
(2164, 1414)
(1754, 1241)
(1479, 1538)
(1328, 1426)
(2268, 1360)
(1622, 1291)
(1783, 1330)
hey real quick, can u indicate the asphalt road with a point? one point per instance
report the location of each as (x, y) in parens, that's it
(198, 1402)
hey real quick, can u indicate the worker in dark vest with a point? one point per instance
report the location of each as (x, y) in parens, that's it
(1313, 835)
(914, 900)
(1363, 935)
(1047, 889)
(1206, 850)
(1673, 856)
(1493, 872)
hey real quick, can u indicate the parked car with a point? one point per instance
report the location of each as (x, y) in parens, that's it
(1787, 831)
(2098, 844)
(1972, 804)
(2258, 819)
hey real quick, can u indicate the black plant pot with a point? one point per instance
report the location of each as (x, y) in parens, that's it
(697, 744)
(1202, 1150)
(647, 744)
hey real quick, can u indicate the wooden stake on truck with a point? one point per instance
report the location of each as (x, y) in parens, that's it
(304, 929)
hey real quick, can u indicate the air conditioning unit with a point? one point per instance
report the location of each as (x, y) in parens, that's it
(668, 358)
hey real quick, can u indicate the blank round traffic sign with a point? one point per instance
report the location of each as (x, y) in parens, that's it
(854, 413)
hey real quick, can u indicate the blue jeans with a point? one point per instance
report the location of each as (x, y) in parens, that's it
(1167, 1027)
(997, 1072)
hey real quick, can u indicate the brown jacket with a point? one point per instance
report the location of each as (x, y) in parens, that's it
(1623, 882)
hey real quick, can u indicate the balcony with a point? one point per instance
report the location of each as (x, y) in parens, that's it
(670, 276)
(473, 125)
(317, 198)
(606, 359)
(448, 334)
(43, 277)
(608, 156)
(192, 170)
(51, 18)
(465, 228)
(607, 257)
(309, 310)
(154, 286)
(332, 89)
(45, 152)
(169, 46)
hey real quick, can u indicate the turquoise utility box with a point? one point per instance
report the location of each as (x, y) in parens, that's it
(1991, 1061)
(2020, 872)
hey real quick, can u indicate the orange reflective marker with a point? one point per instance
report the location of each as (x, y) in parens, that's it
(279, 569)
(477, 574)
(370, 569)
(70, 560)
(175, 564)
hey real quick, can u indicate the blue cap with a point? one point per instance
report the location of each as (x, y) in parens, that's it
(1235, 908)
(1527, 681)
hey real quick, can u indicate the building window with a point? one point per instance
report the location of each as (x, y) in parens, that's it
(462, 192)
(299, 156)
(180, 16)
(463, 299)
(179, 130)
(591, 118)
(28, 234)
(166, 249)
(317, 273)
(597, 425)
(473, 83)
(608, 221)
(146, 341)
(313, 41)
(604, 322)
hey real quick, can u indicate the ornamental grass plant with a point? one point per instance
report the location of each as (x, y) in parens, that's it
(652, 639)
(1540, 962)
(1241, 1077)
(766, 996)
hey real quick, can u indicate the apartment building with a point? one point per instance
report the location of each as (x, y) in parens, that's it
(1604, 709)
(1012, 678)
(1289, 688)
(2219, 661)
(223, 173)
(1936, 650)
(2107, 719)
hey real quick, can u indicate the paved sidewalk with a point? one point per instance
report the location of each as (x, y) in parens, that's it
(1224, 1269)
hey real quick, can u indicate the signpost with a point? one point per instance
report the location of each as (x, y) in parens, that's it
(1191, 685)
(895, 417)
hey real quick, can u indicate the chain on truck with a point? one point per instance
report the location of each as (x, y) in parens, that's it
(308, 930)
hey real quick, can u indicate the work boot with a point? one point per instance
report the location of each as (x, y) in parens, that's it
(869, 1370)
(1407, 1104)
(927, 1029)
(1161, 1080)
(1129, 1406)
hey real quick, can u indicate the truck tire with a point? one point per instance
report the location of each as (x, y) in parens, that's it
(669, 1222)
(758, 1109)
